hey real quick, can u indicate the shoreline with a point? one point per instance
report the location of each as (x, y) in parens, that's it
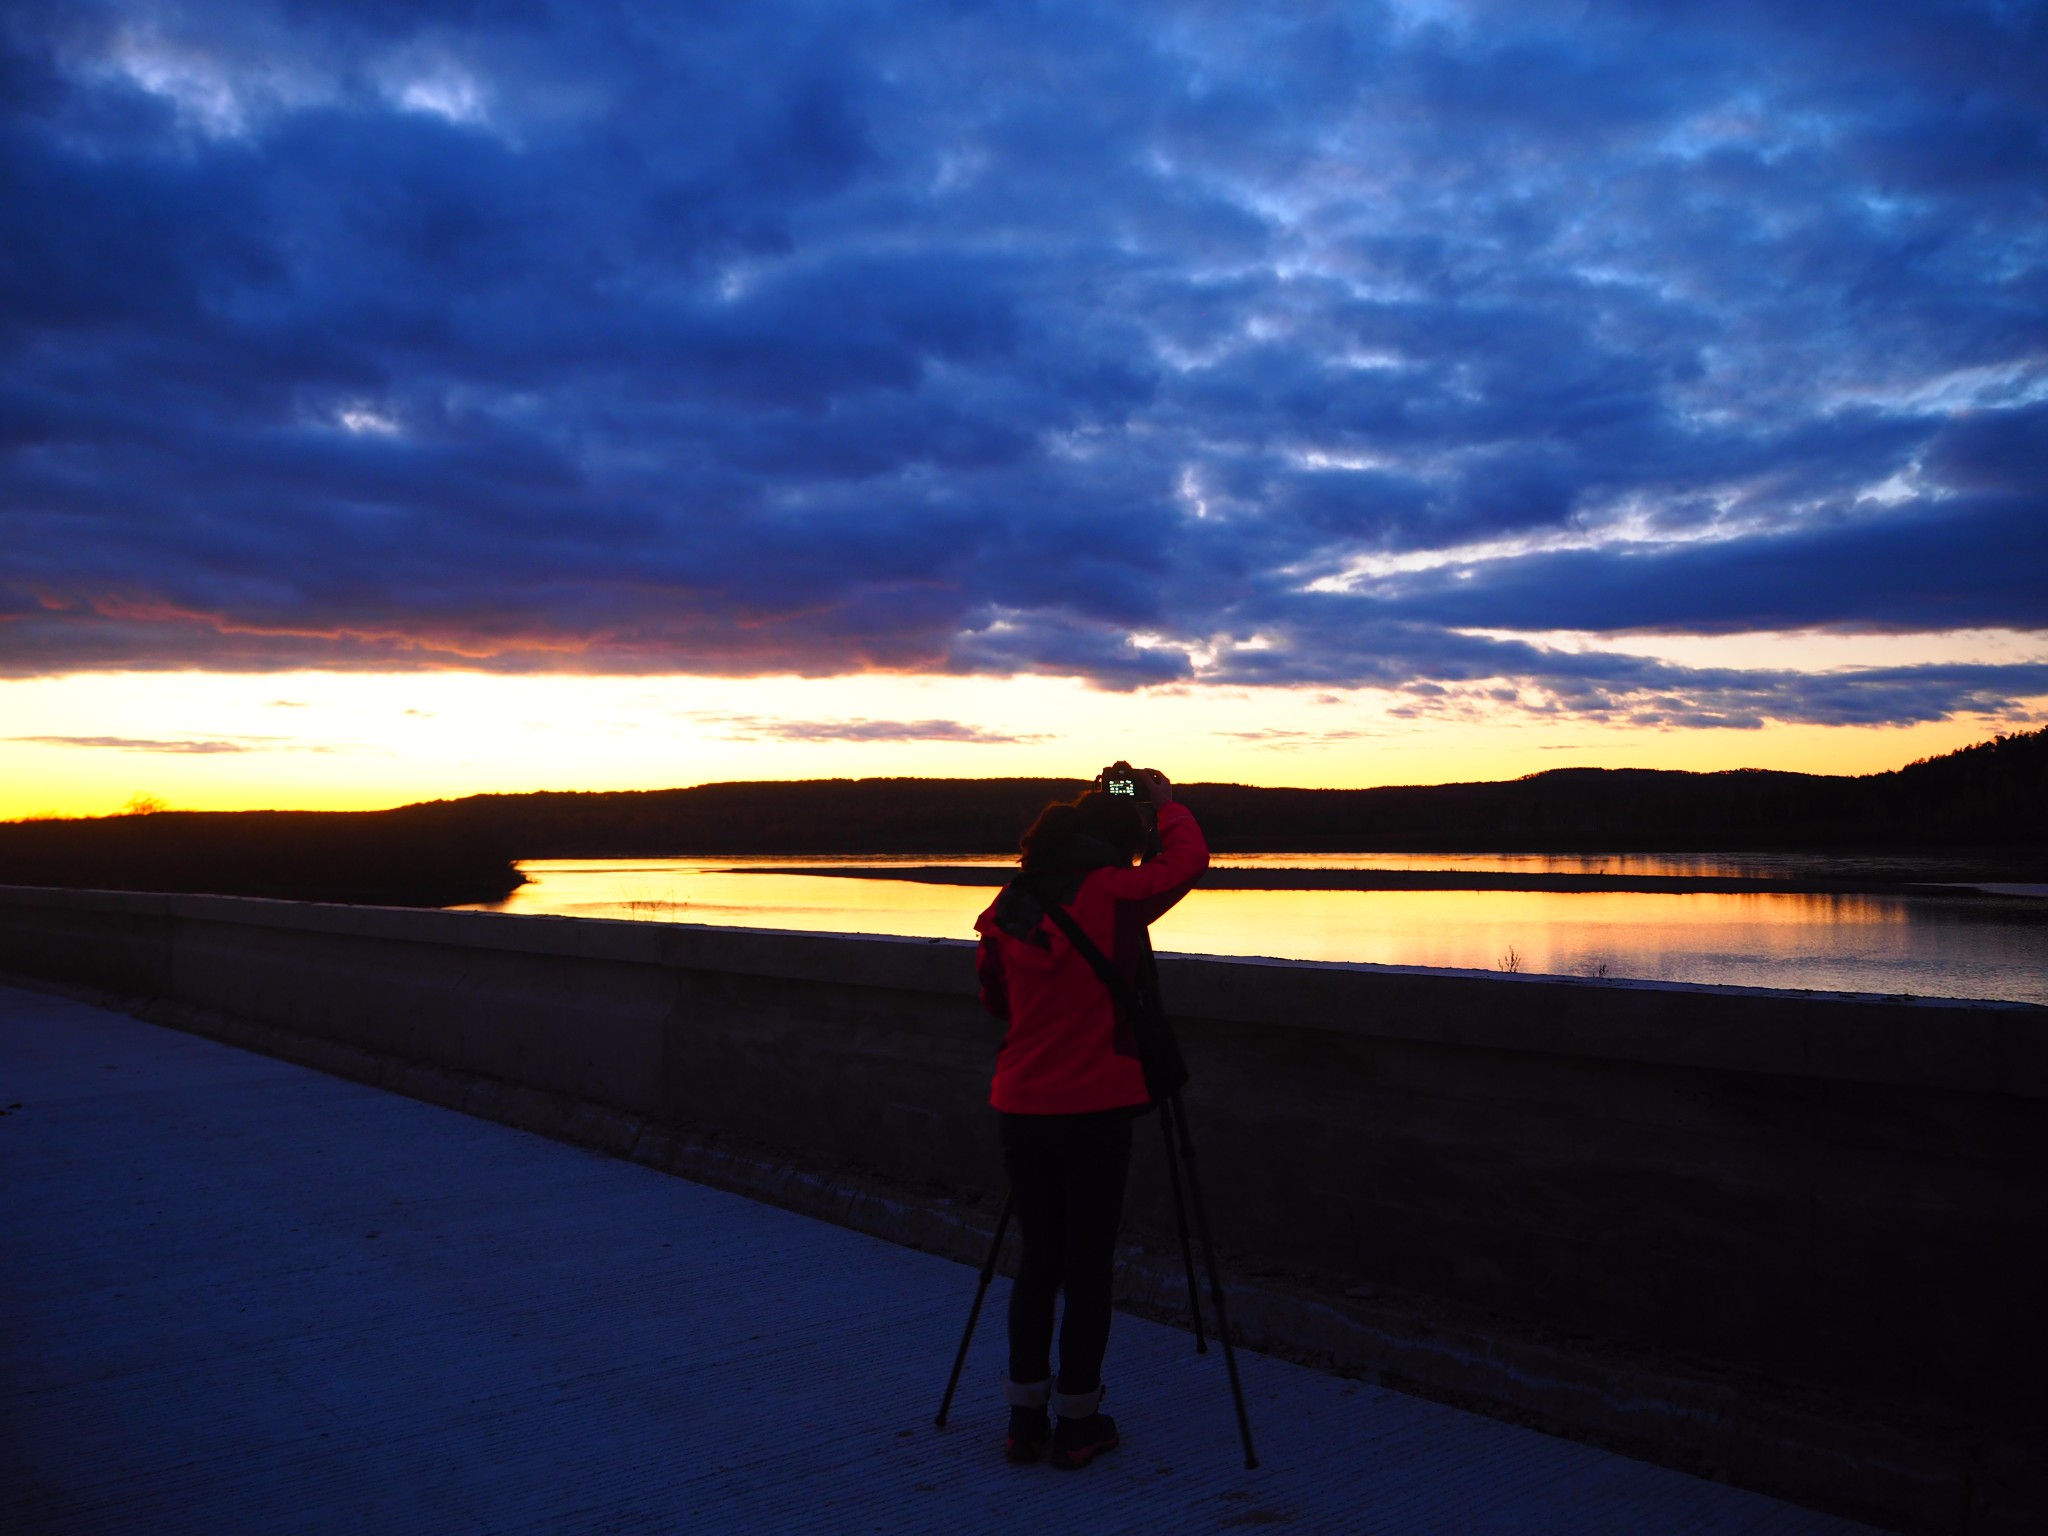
(1226, 878)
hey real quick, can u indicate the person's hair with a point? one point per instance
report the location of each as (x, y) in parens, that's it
(1106, 818)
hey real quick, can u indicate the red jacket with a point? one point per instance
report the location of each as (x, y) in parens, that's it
(1069, 1050)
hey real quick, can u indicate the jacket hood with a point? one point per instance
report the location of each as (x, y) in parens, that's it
(1018, 911)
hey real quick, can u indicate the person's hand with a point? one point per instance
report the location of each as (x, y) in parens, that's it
(1156, 782)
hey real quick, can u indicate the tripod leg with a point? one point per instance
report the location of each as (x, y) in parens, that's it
(988, 1273)
(1180, 1217)
(1187, 1157)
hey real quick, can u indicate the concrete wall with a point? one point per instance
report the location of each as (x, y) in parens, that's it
(1848, 1195)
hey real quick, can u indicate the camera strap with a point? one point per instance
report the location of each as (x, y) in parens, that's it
(1166, 1073)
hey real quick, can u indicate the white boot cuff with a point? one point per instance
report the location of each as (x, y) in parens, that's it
(1076, 1405)
(1026, 1394)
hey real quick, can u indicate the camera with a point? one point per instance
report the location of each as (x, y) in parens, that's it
(1120, 780)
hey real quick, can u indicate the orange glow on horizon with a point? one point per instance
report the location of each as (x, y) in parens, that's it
(87, 745)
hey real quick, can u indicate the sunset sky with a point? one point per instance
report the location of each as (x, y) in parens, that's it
(405, 400)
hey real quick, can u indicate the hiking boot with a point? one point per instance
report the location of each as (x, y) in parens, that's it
(1029, 1431)
(1082, 1432)
(1029, 1426)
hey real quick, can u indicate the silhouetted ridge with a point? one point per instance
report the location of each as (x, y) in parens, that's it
(1991, 798)
(380, 858)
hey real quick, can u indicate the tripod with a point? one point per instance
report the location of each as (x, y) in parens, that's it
(1180, 1157)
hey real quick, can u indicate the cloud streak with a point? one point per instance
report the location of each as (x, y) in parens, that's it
(1125, 342)
(189, 745)
(757, 728)
(140, 744)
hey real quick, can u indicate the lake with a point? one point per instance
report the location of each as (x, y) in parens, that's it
(1981, 946)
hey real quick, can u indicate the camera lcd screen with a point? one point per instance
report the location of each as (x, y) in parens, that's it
(1122, 787)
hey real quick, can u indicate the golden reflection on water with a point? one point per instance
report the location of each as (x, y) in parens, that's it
(1922, 946)
(1543, 931)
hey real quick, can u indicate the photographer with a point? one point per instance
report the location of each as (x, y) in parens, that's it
(1069, 1080)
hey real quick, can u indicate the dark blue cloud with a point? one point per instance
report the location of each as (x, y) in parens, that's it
(1960, 563)
(1148, 342)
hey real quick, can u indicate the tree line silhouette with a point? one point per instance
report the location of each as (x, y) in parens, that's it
(1989, 801)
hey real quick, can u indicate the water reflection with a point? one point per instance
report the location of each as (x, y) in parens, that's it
(1923, 946)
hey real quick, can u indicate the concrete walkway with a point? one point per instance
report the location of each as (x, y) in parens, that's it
(236, 1295)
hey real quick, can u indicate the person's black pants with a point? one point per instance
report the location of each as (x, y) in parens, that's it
(1067, 1177)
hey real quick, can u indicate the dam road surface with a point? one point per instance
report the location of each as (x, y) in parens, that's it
(237, 1295)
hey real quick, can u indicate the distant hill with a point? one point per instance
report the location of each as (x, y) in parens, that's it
(1991, 798)
(380, 858)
